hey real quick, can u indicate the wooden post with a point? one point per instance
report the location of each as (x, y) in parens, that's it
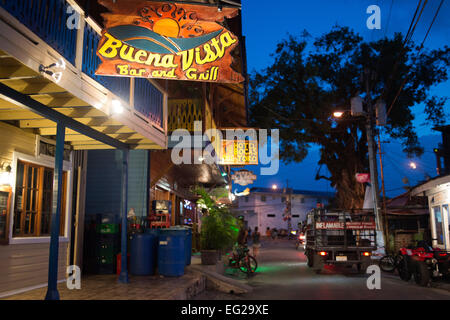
(52, 289)
(123, 277)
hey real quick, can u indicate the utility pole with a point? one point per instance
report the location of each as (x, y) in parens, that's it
(372, 156)
(288, 207)
(385, 221)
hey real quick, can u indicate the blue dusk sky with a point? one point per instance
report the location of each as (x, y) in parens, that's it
(265, 23)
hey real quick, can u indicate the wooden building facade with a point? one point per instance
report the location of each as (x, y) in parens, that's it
(74, 143)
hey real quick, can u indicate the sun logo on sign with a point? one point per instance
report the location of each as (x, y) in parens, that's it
(170, 21)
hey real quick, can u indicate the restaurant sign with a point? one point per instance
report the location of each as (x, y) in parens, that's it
(243, 177)
(167, 40)
(239, 152)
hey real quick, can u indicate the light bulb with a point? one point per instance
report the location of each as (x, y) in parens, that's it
(117, 106)
(61, 64)
(57, 76)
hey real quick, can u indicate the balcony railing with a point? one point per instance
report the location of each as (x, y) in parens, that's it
(47, 19)
(119, 86)
(148, 101)
(183, 113)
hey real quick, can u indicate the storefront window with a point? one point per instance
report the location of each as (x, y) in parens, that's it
(33, 201)
(438, 225)
(446, 213)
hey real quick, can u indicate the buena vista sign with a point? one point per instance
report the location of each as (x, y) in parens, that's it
(168, 41)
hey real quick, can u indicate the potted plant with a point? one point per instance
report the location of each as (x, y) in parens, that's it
(219, 228)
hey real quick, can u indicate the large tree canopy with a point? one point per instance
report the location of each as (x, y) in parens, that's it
(300, 91)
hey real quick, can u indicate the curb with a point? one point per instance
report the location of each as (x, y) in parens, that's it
(193, 288)
(222, 283)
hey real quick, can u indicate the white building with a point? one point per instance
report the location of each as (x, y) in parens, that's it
(438, 192)
(264, 207)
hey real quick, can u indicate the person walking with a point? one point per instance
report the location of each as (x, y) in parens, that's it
(274, 233)
(242, 235)
(268, 233)
(256, 242)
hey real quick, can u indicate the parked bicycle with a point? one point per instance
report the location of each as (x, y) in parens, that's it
(390, 263)
(242, 260)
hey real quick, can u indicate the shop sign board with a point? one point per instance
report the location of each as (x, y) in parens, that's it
(243, 177)
(167, 40)
(362, 177)
(239, 152)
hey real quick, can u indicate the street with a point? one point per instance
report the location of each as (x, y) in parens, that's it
(282, 274)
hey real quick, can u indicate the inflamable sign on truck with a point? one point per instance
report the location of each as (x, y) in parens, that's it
(335, 225)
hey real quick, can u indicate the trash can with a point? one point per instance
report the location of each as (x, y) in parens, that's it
(188, 241)
(142, 254)
(155, 233)
(188, 245)
(171, 252)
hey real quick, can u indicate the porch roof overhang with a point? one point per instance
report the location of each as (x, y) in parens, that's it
(35, 103)
(422, 189)
(193, 174)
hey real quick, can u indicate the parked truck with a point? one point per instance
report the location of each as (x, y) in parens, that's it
(344, 238)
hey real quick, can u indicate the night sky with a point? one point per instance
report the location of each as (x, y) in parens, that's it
(266, 22)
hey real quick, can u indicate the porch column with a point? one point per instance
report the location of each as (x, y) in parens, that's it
(123, 277)
(52, 289)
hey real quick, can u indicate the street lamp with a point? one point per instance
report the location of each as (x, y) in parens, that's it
(274, 187)
(338, 114)
(413, 165)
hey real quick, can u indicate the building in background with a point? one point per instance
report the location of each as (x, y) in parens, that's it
(436, 191)
(265, 207)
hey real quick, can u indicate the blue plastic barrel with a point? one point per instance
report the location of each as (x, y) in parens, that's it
(188, 241)
(171, 252)
(142, 254)
(188, 245)
(155, 233)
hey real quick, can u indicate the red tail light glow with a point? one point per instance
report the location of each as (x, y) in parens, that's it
(322, 253)
(366, 254)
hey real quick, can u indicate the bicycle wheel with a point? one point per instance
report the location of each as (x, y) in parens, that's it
(248, 264)
(403, 268)
(387, 263)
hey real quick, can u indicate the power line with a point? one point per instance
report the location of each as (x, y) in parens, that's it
(408, 37)
(402, 157)
(432, 22)
(417, 56)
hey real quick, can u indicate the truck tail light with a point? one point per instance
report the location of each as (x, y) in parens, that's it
(322, 253)
(366, 254)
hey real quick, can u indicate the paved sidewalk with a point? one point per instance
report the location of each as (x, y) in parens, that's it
(106, 287)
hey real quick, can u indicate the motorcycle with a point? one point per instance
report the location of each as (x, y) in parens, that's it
(300, 241)
(424, 263)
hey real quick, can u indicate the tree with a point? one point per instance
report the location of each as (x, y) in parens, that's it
(303, 87)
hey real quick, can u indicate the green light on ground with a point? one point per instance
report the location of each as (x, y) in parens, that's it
(270, 268)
